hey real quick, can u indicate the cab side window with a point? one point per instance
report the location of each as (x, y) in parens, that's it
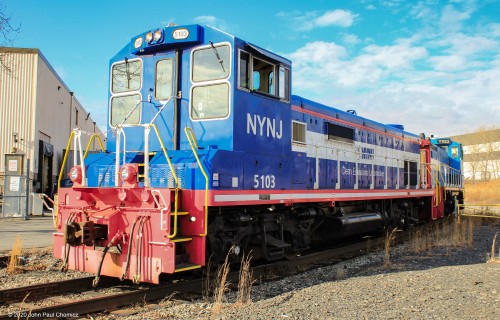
(256, 74)
(211, 68)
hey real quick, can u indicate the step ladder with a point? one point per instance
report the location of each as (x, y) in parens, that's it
(169, 209)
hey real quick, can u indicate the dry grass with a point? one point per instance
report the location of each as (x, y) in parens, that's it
(482, 192)
(15, 253)
(493, 257)
(245, 282)
(206, 285)
(340, 273)
(221, 285)
(419, 241)
(389, 239)
(446, 233)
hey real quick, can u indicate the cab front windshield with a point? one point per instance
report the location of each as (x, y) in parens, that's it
(126, 83)
(126, 80)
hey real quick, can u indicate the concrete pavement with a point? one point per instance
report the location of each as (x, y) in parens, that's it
(35, 232)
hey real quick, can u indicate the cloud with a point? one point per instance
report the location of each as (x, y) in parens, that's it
(307, 21)
(452, 19)
(211, 21)
(350, 39)
(393, 57)
(466, 45)
(442, 79)
(448, 63)
(319, 64)
(341, 18)
(445, 109)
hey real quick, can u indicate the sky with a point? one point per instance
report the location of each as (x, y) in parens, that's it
(431, 65)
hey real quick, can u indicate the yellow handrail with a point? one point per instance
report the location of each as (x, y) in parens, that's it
(64, 160)
(56, 206)
(194, 145)
(92, 137)
(176, 179)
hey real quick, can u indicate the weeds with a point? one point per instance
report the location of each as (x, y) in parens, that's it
(206, 289)
(246, 281)
(493, 258)
(470, 234)
(21, 310)
(340, 273)
(221, 285)
(482, 192)
(15, 253)
(389, 238)
(446, 233)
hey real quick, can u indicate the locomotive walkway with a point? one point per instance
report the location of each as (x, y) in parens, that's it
(35, 232)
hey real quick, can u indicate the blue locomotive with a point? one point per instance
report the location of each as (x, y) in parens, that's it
(210, 150)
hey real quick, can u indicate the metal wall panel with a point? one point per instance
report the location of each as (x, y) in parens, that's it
(38, 106)
(17, 101)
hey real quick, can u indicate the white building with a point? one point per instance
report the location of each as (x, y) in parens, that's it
(481, 154)
(37, 113)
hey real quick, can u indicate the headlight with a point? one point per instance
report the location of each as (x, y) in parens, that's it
(149, 37)
(128, 173)
(75, 174)
(138, 42)
(158, 35)
(124, 173)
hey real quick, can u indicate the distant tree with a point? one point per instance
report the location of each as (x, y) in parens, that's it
(483, 153)
(7, 36)
(472, 161)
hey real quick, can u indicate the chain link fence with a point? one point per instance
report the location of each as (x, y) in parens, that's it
(15, 196)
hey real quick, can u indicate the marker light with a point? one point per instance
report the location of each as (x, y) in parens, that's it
(149, 37)
(75, 174)
(158, 35)
(138, 42)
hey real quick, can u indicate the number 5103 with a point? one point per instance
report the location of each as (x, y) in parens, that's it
(267, 181)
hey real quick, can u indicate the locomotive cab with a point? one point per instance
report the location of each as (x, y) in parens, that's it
(191, 110)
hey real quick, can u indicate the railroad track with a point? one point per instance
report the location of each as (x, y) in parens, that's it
(101, 302)
(4, 260)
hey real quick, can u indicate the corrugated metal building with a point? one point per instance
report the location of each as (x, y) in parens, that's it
(37, 114)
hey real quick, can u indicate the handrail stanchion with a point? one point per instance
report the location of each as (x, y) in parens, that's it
(117, 155)
(194, 146)
(176, 180)
(68, 145)
(146, 155)
(82, 164)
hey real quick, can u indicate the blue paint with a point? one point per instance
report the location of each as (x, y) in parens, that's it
(251, 148)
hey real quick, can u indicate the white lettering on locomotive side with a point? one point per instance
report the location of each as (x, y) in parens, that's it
(263, 126)
(362, 172)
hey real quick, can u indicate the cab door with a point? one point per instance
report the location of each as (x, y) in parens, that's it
(161, 105)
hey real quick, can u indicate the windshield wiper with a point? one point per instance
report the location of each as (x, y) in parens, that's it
(217, 55)
(127, 70)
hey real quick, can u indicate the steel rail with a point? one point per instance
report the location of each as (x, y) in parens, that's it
(45, 289)
(158, 292)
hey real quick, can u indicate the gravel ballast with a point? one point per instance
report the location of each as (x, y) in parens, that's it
(444, 282)
(440, 282)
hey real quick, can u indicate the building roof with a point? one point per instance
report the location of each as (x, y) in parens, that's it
(480, 137)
